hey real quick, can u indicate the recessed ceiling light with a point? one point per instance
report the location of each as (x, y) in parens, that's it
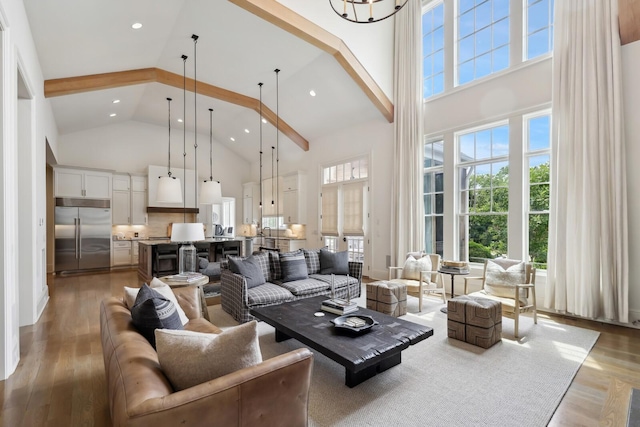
(312, 92)
(246, 130)
(136, 26)
(264, 120)
(179, 120)
(232, 139)
(115, 101)
(112, 115)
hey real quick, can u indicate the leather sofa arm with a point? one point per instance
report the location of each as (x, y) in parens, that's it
(189, 299)
(272, 393)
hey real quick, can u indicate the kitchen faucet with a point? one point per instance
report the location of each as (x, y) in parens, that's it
(265, 228)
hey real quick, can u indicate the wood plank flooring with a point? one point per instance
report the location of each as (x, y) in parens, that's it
(60, 379)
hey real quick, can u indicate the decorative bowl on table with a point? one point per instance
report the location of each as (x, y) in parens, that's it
(354, 323)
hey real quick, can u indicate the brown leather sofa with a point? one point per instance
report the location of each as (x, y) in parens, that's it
(273, 393)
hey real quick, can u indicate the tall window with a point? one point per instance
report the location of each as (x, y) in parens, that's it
(343, 207)
(433, 49)
(538, 132)
(484, 192)
(483, 38)
(539, 28)
(433, 197)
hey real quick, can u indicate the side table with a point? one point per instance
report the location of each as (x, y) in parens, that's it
(453, 275)
(199, 283)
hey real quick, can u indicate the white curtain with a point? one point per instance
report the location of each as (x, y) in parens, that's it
(588, 249)
(353, 209)
(329, 211)
(407, 194)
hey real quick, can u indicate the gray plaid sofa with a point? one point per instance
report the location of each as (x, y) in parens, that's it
(237, 300)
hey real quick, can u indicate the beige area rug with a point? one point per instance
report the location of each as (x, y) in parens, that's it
(443, 382)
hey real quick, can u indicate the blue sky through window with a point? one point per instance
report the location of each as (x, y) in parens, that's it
(433, 50)
(539, 32)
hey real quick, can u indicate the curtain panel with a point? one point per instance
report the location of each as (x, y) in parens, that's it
(407, 232)
(588, 249)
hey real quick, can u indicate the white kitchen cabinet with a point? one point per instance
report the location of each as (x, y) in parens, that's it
(138, 200)
(250, 203)
(289, 245)
(294, 199)
(82, 183)
(121, 253)
(129, 201)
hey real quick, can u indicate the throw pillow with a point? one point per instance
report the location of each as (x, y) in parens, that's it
(130, 295)
(189, 358)
(312, 257)
(414, 266)
(152, 311)
(202, 262)
(334, 263)
(249, 268)
(274, 262)
(501, 277)
(293, 266)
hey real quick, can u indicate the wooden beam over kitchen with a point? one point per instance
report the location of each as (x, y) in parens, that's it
(288, 20)
(629, 20)
(79, 84)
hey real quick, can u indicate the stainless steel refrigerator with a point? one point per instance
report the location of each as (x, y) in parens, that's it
(82, 234)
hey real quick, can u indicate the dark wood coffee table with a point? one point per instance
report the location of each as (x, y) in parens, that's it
(363, 356)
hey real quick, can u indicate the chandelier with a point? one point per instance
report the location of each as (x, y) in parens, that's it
(366, 11)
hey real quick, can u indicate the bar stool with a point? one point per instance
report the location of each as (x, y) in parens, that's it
(166, 260)
(202, 249)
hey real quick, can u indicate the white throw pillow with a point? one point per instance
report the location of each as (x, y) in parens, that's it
(412, 267)
(165, 290)
(500, 280)
(190, 358)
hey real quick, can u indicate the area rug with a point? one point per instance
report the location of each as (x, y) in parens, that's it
(634, 409)
(444, 382)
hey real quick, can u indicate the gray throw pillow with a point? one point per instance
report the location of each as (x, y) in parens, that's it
(202, 262)
(312, 257)
(152, 311)
(293, 266)
(334, 262)
(250, 269)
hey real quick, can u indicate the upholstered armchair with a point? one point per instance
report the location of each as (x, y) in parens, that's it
(420, 274)
(512, 283)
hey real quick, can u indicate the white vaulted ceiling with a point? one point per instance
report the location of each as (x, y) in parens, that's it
(236, 50)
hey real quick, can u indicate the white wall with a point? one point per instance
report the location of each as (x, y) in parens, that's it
(372, 44)
(133, 146)
(18, 51)
(631, 85)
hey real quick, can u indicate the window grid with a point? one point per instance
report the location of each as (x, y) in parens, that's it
(538, 155)
(355, 248)
(538, 38)
(347, 171)
(433, 50)
(331, 242)
(484, 192)
(483, 38)
(434, 197)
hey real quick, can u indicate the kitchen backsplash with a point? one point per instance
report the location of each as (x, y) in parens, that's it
(157, 225)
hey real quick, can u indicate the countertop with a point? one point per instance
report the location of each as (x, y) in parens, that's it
(274, 237)
(167, 240)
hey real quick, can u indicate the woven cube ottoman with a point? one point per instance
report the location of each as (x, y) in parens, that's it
(387, 297)
(474, 320)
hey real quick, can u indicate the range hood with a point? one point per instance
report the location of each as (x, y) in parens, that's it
(155, 209)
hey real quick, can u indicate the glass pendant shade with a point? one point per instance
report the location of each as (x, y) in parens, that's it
(210, 193)
(169, 190)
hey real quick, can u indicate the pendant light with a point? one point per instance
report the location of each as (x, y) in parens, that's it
(168, 186)
(210, 191)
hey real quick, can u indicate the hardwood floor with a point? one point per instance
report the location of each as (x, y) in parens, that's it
(60, 379)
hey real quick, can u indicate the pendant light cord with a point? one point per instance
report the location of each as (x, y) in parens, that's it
(195, 117)
(184, 136)
(260, 205)
(169, 148)
(277, 71)
(211, 144)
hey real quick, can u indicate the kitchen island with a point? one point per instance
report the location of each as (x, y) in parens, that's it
(149, 262)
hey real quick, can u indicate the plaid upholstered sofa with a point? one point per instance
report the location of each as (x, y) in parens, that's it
(237, 299)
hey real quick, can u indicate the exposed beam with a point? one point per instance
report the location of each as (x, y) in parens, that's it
(79, 84)
(286, 19)
(629, 20)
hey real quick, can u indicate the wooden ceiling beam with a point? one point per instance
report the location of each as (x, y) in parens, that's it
(79, 84)
(286, 19)
(629, 20)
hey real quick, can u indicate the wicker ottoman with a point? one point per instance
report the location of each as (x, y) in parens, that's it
(477, 321)
(387, 297)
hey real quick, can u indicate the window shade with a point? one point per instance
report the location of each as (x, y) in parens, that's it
(329, 211)
(353, 209)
